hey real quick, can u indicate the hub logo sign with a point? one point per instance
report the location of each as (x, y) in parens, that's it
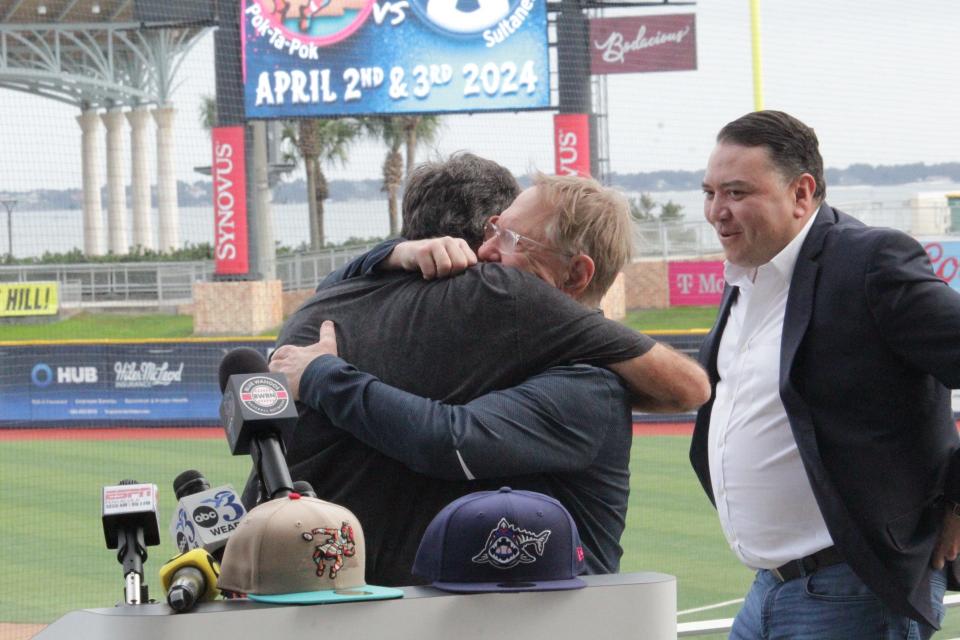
(305, 58)
(43, 375)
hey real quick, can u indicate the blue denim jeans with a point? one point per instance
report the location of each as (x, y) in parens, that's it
(831, 604)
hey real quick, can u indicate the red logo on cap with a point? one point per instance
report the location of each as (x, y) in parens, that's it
(579, 554)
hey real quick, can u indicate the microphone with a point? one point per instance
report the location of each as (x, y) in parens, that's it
(258, 416)
(130, 525)
(304, 488)
(204, 517)
(189, 578)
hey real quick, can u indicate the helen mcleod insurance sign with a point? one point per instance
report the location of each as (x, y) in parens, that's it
(342, 57)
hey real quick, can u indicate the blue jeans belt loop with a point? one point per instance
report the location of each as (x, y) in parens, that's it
(807, 565)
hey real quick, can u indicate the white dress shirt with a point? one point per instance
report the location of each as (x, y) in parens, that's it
(767, 509)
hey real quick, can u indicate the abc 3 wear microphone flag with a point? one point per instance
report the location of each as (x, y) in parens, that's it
(299, 550)
(501, 541)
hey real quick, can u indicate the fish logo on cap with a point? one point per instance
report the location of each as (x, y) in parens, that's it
(508, 545)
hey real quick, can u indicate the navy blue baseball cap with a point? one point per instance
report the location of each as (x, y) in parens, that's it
(501, 541)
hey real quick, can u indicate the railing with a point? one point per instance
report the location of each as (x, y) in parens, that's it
(160, 284)
(694, 237)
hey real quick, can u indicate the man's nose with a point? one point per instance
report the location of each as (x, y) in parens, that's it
(715, 210)
(489, 251)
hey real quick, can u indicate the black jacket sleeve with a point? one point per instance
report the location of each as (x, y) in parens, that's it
(363, 265)
(553, 422)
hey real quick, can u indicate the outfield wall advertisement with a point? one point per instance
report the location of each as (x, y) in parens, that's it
(945, 260)
(18, 299)
(304, 58)
(104, 384)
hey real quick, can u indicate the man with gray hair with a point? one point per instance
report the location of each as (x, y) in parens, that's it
(450, 344)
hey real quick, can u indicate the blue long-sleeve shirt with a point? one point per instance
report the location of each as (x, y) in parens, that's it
(565, 432)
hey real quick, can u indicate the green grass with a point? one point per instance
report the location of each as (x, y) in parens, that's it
(672, 319)
(98, 326)
(110, 326)
(106, 326)
(56, 561)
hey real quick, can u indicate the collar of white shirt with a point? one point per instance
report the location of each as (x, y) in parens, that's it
(782, 264)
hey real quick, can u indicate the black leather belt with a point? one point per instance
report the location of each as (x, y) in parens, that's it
(807, 565)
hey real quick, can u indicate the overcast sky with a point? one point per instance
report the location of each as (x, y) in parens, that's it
(877, 79)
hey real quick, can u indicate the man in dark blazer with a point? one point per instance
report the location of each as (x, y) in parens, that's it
(828, 446)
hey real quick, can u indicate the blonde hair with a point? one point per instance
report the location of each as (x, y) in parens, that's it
(590, 219)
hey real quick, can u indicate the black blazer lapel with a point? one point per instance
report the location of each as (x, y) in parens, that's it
(796, 317)
(711, 344)
(796, 320)
(708, 358)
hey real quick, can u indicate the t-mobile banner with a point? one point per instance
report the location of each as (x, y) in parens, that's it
(571, 140)
(230, 201)
(639, 44)
(695, 283)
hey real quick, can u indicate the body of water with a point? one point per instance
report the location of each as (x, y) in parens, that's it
(858, 198)
(35, 232)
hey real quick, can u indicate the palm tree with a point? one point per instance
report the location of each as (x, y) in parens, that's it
(318, 141)
(391, 130)
(418, 130)
(208, 112)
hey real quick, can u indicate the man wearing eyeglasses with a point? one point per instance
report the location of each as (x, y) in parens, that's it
(554, 426)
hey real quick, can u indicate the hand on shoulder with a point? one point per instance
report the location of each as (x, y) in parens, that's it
(433, 257)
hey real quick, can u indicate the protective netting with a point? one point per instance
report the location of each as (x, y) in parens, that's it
(109, 119)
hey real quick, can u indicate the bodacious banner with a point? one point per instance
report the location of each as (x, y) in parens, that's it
(641, 44)
(342, 57)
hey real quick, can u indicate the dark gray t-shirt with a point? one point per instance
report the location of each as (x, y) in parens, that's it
(451, 340)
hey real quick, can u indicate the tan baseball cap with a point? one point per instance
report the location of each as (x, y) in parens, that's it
(299, 550)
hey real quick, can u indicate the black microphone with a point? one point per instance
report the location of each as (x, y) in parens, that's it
(130, 525)
(258, 416)
(204, 517)
(304, 488)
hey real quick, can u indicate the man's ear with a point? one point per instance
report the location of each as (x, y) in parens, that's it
(579, 274)
(804, 188)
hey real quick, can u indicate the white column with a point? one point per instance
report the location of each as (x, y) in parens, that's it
(169, 215)
(263, 221)
(119, 244)
(140, 178)
(93, 244)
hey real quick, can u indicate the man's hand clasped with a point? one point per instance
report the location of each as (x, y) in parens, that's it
(293, 361)
(433, 257)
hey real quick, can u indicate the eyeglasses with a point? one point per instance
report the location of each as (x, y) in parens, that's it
(509, 240)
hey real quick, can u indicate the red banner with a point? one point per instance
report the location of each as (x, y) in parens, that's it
(639, 44)
(571, 143)
(695, 283)
(230, 201)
